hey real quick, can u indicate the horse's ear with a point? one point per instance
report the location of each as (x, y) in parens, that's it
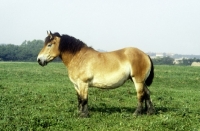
(50, 34)
(47, 32)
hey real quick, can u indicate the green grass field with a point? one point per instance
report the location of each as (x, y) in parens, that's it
(42, 98)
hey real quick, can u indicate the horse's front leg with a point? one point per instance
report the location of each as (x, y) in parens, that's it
(82, 106)
(82, 94)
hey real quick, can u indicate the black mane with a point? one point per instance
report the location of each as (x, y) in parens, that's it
(67, 43)
(71, 44)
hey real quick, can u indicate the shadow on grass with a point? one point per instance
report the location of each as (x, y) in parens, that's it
(112, 109)
(161, 110)
(158, 110)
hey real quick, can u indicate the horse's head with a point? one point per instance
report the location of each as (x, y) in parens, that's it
(50, 50)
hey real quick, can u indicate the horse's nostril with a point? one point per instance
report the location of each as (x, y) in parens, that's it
(38, 60)
(41, 61)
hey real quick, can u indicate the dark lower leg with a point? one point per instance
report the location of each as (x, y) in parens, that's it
(150, 108)
(140, 97)
(82, 106)
(139, 109)
(148, 104)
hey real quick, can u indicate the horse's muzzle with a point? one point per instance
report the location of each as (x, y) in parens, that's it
(42, 61)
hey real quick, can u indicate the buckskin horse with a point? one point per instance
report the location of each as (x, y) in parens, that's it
(90, 68)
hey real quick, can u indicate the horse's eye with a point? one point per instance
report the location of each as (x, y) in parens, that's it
(49, 45)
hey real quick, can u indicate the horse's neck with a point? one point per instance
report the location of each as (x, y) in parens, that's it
(67, 57)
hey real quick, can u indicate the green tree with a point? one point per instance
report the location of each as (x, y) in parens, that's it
(27, 51)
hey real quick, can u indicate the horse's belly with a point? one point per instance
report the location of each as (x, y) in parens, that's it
(112, 80)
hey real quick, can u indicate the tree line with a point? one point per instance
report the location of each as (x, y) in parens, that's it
(27, 51)
(171, 61)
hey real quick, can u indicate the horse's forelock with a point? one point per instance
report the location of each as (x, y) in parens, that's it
(49, 38)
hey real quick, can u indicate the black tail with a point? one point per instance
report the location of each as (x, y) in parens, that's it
(149, 79)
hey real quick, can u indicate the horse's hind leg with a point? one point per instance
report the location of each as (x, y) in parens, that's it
(140, 96)
(143, 94)
(149, 108)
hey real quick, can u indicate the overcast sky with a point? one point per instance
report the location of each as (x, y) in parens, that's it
(171, 26)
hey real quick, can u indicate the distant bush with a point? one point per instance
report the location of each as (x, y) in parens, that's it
(163, 61)
(188, 61)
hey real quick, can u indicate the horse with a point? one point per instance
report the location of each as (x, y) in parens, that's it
(106, 70)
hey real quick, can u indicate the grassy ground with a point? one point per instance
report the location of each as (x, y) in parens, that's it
(43, 98)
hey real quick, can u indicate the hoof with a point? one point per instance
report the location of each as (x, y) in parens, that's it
(84, 115)
(137, 112)
(151, 111)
